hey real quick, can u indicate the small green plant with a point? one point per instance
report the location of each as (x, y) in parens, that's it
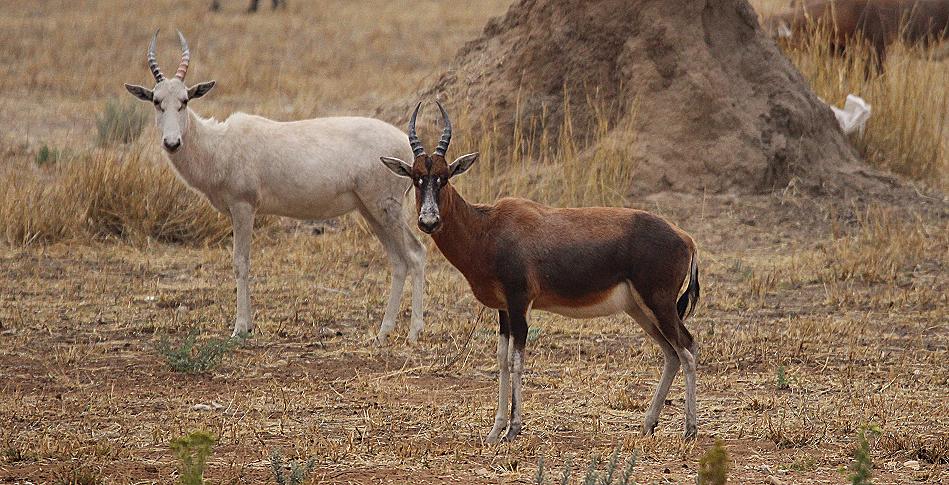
(120, 122)
(781, 381)
(594, 475)
(47, 155)
(862, 467)
(192, 452)
(194, 358)
(713, 466)
(299, 469)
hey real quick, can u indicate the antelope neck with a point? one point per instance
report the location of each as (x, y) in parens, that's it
(464, 228)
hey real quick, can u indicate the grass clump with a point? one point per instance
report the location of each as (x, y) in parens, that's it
(781, 379)
(120, 122)
(192, 452)
(299, 470)
(907, 131)
(105, 195)
(714, 465)
(47, 156)
(196, 358)
(609, 475)
(861, 469)
(77, 475)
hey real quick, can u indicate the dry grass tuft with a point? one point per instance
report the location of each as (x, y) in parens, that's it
(907, 130)
(107, 194)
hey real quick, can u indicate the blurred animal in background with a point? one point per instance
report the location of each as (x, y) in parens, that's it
(313, 169)
(254, 4)
(878, 22)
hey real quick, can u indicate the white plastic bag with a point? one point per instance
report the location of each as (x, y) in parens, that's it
(853, 118)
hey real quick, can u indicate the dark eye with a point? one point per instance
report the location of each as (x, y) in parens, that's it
(158, 105)
(418, 181)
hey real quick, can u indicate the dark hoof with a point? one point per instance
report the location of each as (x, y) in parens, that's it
(512, 433)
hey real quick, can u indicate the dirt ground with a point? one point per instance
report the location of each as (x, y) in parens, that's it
(85, 389)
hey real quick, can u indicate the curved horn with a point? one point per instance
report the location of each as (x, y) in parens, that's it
(152, 63)
(446, 133)
(417, 147)
(185, 57)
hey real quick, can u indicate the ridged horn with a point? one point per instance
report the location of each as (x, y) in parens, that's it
(442, 147)
(152, 63)
(414, 142)
(185, 57)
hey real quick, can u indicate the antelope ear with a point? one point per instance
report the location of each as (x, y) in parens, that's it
(462, 164)
(397, 166)
(141, 93)
(198, 90)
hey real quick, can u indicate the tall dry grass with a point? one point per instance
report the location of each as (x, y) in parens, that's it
(570, 169)
(907, 131)
(106, 194)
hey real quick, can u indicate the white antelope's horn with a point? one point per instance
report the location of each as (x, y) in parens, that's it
(185, 57)
(152, 63)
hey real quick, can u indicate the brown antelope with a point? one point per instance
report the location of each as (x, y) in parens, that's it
(518, 255)
(879, 22)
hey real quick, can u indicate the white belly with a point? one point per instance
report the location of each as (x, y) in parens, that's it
(618, 300)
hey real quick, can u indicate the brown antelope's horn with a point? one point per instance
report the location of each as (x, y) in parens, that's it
(185, 57)
(415, 143)
(152, 63)
(446, 133)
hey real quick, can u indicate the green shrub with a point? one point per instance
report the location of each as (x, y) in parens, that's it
(781, 380)
(713, 466)
(192, 452)
(862, 466)
(47, 155)
(594, 476)
(299, 469)
(194, 358)
(120, 122)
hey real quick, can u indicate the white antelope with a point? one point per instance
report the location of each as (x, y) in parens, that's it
(312, 169)
(518, 255)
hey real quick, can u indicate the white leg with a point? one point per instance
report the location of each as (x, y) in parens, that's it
(384, 220)
(242, 219)
(647, 320)
(517, 401)
(399, 272)
(417, 258)
(669, 370)
(688, 367)
(504, 389)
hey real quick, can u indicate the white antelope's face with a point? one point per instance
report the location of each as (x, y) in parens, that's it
(170, 96)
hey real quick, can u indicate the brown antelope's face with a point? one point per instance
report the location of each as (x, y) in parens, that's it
(170, 96)
(430, 173)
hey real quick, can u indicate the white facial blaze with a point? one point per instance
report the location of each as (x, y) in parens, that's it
(428, 214)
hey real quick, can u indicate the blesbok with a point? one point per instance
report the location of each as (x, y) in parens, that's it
(879, 22)
(312, 169)
(518, 255)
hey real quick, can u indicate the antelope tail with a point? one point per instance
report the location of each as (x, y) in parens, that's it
(689, 297)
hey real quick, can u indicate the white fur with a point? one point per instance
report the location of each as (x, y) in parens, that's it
(312, 169)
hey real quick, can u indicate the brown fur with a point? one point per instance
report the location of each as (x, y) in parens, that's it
(879, 22)
(519, 255)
